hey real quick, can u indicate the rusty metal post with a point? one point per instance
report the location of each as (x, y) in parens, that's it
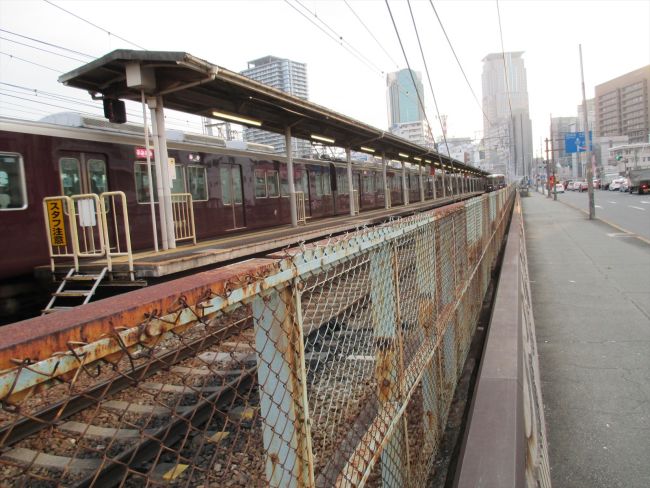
(425, 268)
(383, 295)
(281, 376)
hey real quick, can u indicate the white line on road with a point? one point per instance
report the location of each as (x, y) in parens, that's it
(612, 202)
(643, 201)
(598, 206)
(638, 208)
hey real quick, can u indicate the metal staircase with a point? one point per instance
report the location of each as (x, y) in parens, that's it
(86, 285)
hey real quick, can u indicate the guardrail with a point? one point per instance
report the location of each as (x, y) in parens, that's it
(329, 364)
(505, 442)
(183, 213)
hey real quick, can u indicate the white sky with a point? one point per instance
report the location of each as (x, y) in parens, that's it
(615, 37)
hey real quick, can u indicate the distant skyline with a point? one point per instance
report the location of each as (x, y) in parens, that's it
(348, 46)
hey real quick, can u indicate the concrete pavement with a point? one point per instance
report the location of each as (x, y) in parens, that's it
(591, 300)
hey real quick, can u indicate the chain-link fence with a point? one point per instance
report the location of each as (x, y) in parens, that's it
(330, 364)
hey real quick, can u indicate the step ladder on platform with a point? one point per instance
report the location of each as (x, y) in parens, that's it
(86, 285)
(86, 229)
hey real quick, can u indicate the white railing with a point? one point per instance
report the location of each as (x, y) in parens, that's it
(116, 245)
(357, 202)
(183, 212)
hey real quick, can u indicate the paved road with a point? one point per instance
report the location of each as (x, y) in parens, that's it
(631, 212)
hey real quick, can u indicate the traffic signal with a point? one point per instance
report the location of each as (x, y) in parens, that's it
(619, 157)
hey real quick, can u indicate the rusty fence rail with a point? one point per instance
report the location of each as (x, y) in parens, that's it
(505, 444)
(331, 364)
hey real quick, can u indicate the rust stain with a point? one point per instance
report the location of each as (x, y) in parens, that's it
(38, 338)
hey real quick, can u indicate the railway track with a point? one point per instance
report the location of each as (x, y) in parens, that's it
(170, 411)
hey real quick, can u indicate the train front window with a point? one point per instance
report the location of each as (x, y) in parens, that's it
(97, 176)
(12, 182)
(196, 179)
(142, 185)
(70, 176)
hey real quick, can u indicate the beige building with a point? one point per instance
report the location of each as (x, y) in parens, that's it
(623, 106)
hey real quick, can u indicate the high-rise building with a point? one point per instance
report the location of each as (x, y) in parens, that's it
(623, 106)
(288, 76)
(405, 107)
(403, 100)
(507, 126)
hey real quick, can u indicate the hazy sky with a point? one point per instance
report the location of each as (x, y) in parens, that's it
(615, 39)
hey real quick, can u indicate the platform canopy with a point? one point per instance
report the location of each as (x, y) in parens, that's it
(192, 85)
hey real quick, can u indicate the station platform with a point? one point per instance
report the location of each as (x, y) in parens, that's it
(188, 257)
(590, 286)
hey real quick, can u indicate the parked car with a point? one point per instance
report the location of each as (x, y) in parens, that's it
(625, 185)
(596, 183)
(569, 185)
(615, 185)
(559, 188)
(580, 185)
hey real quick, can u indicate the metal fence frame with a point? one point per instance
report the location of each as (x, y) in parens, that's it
(419, 284)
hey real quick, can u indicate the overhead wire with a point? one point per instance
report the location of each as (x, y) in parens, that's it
(399, 38)
(41, 49)
(31, 62)
(46, 43)
(444, 31)
(95, 25)
(371, 34)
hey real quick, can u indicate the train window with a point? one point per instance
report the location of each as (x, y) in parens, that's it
(142, 183)
(327, 184)
(379, 182)
(197, 181)
(178, 179)
(226, 186)
(70, 176)
(97, 176)
(236, 184)
(260, 183)
(342, 183)
(318, 182)
(284, 183)
(12, 182)
(272, 184)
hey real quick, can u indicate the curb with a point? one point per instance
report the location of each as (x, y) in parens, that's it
(616, 226)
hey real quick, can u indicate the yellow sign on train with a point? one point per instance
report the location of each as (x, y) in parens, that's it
(56, 218)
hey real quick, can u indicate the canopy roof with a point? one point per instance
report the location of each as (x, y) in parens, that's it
(192, 85)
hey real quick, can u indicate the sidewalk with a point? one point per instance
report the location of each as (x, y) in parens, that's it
(591, 303)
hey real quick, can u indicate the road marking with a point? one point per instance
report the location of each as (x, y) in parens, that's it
(609, 201)
(643, 201)
(598, 206)
(638, 208)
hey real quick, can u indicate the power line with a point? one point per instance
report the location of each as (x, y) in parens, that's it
(95, 25)
(46, 43)
(31, 62)
(338, 41)
(41, 49)
(459, 63)
(399, 38)
(371, 34)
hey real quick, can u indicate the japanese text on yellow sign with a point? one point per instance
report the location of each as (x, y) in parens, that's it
(57, 222)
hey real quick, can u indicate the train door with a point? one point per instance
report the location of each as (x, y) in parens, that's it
(232, 196)
(83, 173)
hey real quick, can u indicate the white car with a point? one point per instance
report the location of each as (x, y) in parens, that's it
(616, 184)
(559, 188)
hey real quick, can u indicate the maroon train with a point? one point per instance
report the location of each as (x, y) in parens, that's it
(233, 188)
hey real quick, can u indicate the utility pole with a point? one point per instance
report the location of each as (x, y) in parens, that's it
(548, 171)
(590, 176)
(553, 166)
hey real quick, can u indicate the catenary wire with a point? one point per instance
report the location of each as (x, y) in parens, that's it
(46, 43)
(41, 49)
(371, 34)
(31, 62)
(94, 25)
(444, 31)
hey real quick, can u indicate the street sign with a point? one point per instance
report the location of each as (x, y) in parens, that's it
(574, 142)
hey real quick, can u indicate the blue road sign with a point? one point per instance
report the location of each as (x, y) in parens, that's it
(574, 142)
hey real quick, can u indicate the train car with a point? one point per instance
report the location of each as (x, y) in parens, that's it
(235, 187)
(495, 182)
